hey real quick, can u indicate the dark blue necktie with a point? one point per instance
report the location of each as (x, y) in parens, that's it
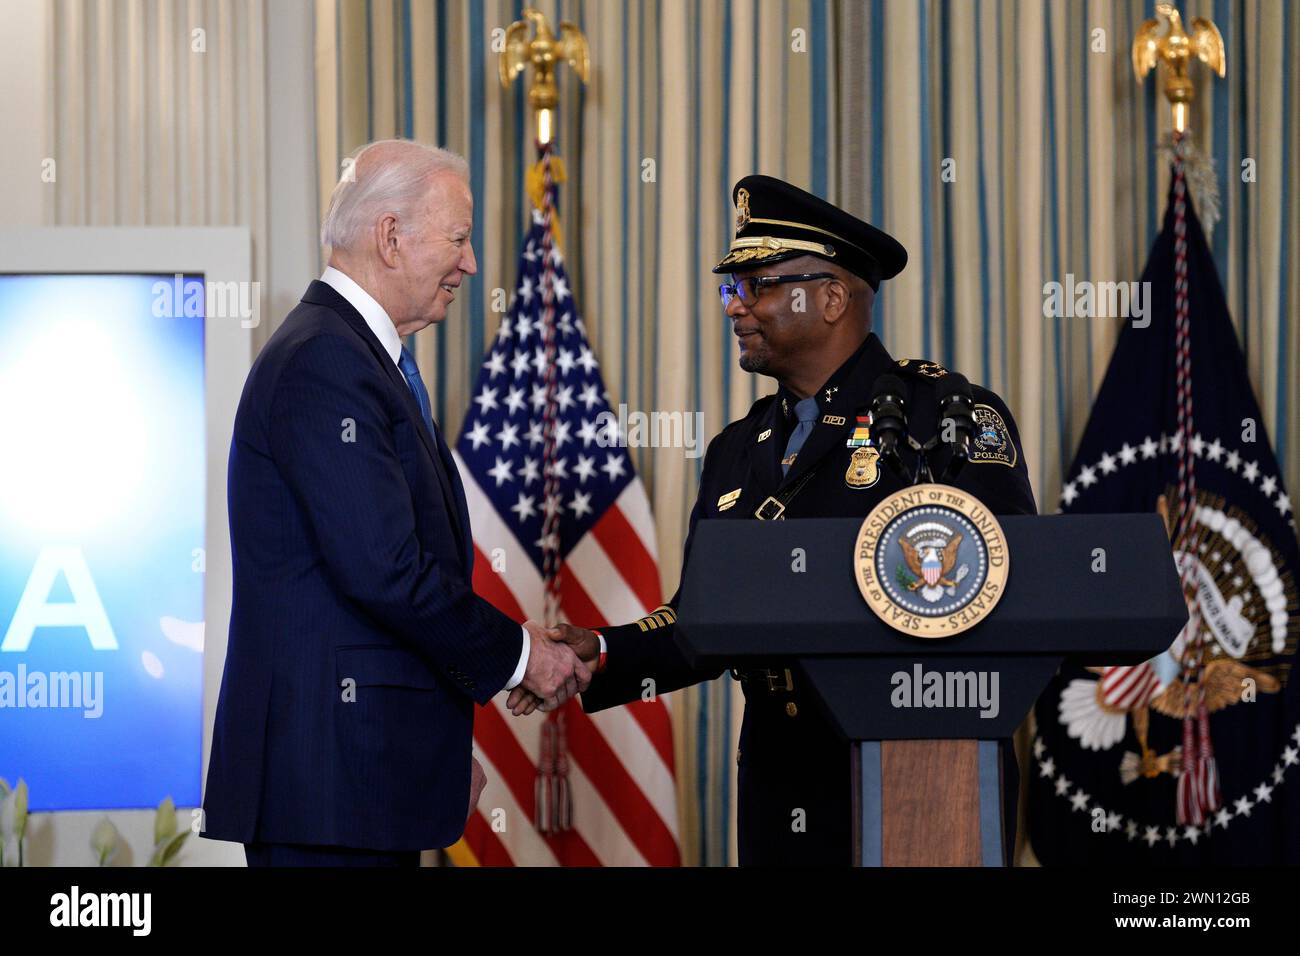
(411, 372)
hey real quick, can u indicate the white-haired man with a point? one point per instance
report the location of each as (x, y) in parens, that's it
(357, 645)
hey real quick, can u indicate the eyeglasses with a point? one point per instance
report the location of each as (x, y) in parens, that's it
(747, 288)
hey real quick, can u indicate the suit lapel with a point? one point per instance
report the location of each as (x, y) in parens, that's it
(322, 293)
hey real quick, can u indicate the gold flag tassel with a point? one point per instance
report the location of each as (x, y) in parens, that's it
(563, 795)
(553, 805)
(535, 183)
(545, 776)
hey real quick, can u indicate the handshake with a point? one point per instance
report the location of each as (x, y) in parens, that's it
(561, 660)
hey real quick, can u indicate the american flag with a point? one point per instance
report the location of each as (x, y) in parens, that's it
(599, 546)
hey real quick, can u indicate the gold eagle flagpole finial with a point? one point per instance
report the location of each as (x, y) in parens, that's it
(1163, 41)
(543, 51)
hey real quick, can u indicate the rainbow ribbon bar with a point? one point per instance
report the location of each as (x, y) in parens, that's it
(861, 436)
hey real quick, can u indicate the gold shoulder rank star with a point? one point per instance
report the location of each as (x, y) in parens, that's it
(923, 367)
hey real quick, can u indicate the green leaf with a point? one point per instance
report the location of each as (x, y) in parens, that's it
(171, 851)
(164, 854)
(104, 841)
(20, 808)
(164, 821)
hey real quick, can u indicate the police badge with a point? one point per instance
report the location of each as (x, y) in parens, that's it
(931, 561)
(864, 470)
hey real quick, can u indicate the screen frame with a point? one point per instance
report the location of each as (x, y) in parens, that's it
(218, 254)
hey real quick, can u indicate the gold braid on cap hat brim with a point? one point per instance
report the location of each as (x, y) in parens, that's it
(764, 247)
(776, 245)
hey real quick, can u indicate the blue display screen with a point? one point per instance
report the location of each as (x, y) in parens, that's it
(102, 560)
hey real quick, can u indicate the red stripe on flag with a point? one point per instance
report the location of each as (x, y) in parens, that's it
(1127, 686)
(578, 606)
(492, 587)
(651, 715)
(636, 814)
(520, 775)
(485, 843)
(628, 556)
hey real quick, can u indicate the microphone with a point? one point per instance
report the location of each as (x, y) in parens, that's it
(956, 420)
(889, 421)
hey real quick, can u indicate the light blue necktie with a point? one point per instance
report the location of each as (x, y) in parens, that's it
(806, 412)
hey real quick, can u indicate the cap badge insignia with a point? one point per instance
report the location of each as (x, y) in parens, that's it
(742, 209)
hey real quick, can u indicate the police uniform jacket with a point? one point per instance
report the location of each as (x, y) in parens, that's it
(794, 769)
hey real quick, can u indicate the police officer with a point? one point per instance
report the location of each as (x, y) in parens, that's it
(803, 276)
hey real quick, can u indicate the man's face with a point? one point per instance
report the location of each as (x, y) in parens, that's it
(436, 253)
(785, 322)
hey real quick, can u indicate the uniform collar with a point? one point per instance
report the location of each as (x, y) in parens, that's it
(841, 390)
(849, 393)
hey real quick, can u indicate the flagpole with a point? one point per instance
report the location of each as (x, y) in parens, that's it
(1163, 42)
(553, 812)
(543, 52)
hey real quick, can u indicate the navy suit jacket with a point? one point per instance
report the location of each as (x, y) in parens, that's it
(352, 569)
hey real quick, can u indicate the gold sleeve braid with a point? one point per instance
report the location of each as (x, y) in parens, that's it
(661, 616)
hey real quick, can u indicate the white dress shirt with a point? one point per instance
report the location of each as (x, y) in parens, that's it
(380, 324)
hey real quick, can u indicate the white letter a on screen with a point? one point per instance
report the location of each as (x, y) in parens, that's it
(35, 609)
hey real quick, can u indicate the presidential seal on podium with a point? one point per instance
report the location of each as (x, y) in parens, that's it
(931, 561)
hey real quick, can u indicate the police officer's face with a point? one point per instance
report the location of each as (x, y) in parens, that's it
(783, 323)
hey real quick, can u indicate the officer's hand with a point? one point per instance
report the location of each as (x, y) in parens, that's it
(584, 643)
(554, 673)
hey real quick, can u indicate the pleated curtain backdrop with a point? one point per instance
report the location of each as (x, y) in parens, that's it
(158, 116)
(1049, 151)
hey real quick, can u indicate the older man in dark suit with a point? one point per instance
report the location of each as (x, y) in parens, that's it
(357, 644)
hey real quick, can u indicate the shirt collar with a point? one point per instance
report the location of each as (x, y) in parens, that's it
(373, 313)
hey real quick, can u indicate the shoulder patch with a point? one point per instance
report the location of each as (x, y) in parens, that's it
(992, 441)
(922, 367)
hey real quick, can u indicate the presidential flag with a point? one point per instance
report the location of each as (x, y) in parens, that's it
(562, 531)
(1191, 757)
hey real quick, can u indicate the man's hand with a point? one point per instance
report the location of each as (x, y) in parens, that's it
(477, 781)
(584, 644)
(554, 672)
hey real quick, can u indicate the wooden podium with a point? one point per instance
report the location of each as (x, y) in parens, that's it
(927, 783)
